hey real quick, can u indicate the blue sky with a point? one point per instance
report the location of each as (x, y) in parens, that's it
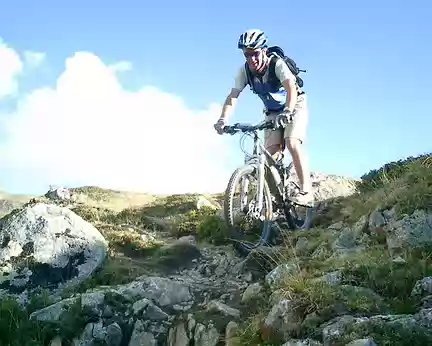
(368, 79)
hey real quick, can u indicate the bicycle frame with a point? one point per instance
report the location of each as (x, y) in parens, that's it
(260, 163)
(262, 160)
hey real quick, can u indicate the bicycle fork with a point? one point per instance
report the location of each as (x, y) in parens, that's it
(261, 178)
(259, 197)
(244, 186)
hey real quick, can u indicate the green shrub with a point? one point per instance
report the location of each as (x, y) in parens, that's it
(377, 178)
(374, 269)
(16, 328)
(204, 223)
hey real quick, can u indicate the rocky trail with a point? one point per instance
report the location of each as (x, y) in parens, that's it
(201, 284)
(170, 307)
(89, 266)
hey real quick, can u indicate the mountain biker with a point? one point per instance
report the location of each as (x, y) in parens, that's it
(287, 103)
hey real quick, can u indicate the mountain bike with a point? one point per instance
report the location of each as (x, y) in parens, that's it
(270, 211)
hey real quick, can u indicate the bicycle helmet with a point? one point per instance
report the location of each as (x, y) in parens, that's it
(252, 39)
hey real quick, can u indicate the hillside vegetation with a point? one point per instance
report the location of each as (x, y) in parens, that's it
(368, 254)
(351, 262)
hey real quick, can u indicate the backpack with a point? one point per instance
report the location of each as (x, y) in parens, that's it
(276, 51)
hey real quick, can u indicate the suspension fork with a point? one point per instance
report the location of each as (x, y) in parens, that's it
(244, 181)
(244, 187)
(261, 178)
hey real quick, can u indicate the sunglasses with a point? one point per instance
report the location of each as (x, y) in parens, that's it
(253, 54)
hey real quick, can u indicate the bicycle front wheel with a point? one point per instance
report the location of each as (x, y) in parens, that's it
(249, 228)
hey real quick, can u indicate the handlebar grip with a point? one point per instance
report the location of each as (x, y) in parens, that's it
(229, 129)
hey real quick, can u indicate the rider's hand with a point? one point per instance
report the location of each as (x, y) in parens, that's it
(219, 126)
(283, 119)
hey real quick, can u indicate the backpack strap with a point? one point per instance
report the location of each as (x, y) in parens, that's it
(250, 77)
(291, 65)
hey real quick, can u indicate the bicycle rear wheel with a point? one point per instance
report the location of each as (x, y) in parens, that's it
(298, 217)
(257, 224)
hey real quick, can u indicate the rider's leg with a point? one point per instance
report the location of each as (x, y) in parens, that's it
(295, 135)
(300, 163)
(274, 140)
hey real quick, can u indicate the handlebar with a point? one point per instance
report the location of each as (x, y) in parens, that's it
(265, 124)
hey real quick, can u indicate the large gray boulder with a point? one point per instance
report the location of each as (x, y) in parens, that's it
(326, 187)
(47, 246)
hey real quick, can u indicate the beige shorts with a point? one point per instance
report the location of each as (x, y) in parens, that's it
(297, 129)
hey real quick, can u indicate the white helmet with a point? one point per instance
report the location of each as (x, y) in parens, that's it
(252, 39)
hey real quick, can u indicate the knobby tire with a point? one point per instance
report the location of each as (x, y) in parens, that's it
(234, 232)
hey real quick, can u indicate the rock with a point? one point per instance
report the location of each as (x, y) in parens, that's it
(161, 291)
(332, 278)
(348, 240)
(376, 220)
(177, 336)
(226, 310)
(59, 193)
(424, 317)
(281, 321)
(426, 302)
(141, 337)
(326, 187)
(93, 334)
(52, 313)
(187, 239)
(277, 276)
(231, 338)
(47, 246)
(191, 324)
(251, 292)
(333, 331)
(114, 335)
(140, 305)
(155, 313)
(206, 336)
(422, 287)
(411, 231)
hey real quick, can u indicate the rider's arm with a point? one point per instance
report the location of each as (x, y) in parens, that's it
(288, 81)
(230, 103)
(231, 99)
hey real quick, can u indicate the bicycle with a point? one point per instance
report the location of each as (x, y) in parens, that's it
(273, 191)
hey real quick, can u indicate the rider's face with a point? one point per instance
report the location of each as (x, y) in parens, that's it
(254, 57)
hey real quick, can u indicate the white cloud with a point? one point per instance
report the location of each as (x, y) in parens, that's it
(34, 59)
(89, 130)
(10, 67)
(121, 66)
